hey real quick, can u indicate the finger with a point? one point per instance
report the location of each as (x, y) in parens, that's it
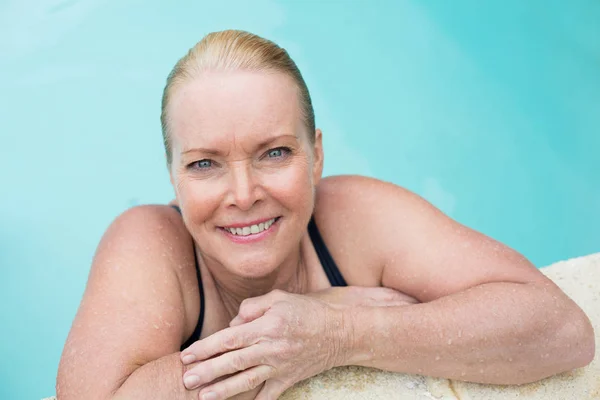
(219, 342)
(237, 321)
(271, 390)
(396, 297)
(239, 383)
(255, 307)
(385, 296)
(226, 364)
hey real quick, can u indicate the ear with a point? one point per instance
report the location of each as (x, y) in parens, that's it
(173, 202)
(170, 169)
(318, 157)
(172, 179)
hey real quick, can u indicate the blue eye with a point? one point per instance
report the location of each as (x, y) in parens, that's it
(279, 152)
(203, 164)
(275, 153)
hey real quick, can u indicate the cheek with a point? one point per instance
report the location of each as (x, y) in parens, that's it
(293, 187)
(199, 199)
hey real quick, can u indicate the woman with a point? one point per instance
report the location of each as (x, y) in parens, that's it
(261, 274)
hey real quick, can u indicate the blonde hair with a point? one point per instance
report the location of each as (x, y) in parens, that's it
(234, 50)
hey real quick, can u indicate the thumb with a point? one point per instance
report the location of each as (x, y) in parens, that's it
(256, 307)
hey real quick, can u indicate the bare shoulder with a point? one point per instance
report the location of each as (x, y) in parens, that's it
(133, 309)
(407, 243)
(357, 201)
(343, 212)
(355, 189)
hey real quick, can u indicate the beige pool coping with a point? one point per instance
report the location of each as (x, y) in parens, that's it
(578, 277)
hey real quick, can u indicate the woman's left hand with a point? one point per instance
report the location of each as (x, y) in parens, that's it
(289, 338)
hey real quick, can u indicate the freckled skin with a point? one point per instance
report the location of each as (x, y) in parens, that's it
(142, 299)
(243, 184)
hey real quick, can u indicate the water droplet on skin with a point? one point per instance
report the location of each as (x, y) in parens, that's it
(510, 360)
(481, 371)
(459, 333)
(463, 373)
(449, 341)
(437, 358)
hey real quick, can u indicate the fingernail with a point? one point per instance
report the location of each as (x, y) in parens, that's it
(191, 381)
(209, 396)
(188, 359)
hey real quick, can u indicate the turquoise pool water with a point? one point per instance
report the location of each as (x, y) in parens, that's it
(492, 112)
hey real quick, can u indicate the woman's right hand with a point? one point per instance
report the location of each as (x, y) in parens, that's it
(352, 296)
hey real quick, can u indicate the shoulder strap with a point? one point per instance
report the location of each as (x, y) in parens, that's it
(198, 330)
(331, 269)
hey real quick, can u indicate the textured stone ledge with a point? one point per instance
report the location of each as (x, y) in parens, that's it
(579, 278)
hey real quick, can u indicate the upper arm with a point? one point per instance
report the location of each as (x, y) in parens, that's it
(133, 309)
(419, 250)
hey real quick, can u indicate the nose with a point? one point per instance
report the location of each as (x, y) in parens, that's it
(244, 190)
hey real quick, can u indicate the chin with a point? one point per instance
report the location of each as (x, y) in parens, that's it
(254, 269)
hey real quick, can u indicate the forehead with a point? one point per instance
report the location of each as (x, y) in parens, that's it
(244, 105)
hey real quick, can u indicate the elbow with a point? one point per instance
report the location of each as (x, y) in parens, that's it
(585, 342)
(72, 383)
(66, 391)
(570, 345)
(578, 334)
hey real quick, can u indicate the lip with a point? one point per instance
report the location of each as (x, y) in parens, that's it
(250, 223)
(252, 238)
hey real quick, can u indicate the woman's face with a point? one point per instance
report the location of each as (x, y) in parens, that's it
(243, 170)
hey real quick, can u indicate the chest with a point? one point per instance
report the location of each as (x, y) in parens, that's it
(216, 314)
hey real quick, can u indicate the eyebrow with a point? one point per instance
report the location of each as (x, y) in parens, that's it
(217, 152)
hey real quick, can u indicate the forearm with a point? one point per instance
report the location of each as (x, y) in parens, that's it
(502, 333)
(162, 379)
(157, 380)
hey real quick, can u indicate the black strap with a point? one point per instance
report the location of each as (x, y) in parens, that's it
(331, 270)
(333, 273)
(198, 330)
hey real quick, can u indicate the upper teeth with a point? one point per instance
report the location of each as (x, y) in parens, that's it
(252, 229)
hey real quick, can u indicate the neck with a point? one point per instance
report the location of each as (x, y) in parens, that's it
(291, 276)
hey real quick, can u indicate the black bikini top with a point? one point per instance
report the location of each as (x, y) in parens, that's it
(333, 273)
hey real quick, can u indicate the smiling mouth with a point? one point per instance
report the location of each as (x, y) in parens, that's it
(251, 229)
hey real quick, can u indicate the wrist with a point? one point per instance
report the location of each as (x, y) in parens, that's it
(348, 336)
(361, 329)
(336, 338)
